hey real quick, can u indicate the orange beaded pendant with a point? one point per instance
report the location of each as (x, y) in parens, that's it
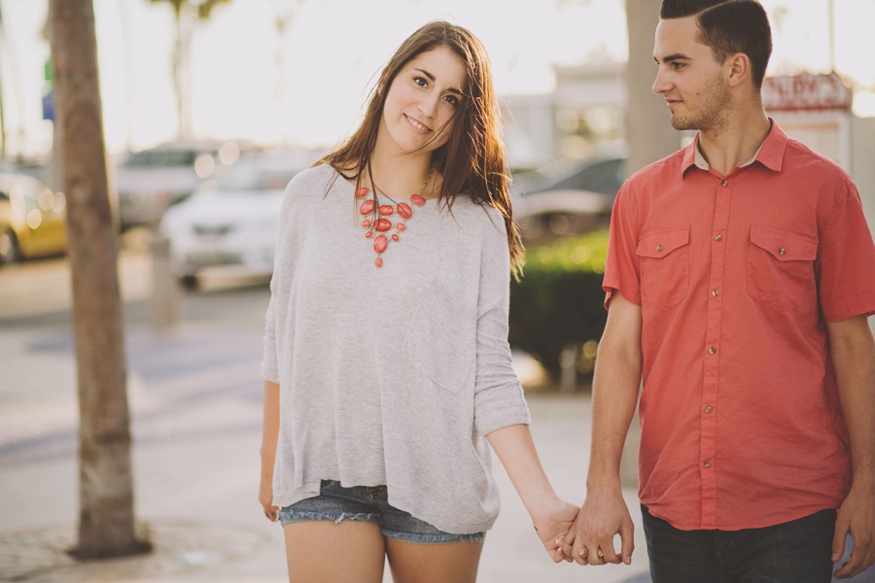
(380, 221)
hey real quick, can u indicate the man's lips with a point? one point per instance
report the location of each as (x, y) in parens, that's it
(672, 103)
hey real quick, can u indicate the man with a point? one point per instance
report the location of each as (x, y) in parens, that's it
(740, 276)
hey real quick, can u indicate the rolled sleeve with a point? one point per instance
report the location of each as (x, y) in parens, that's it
(846, 270)
(622, 267)
(269, 367)
(498, 396)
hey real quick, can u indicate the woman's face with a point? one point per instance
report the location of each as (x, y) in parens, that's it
(421, 104)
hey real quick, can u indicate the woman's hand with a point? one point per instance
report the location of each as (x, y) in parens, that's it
(265, 496)
(553, 522)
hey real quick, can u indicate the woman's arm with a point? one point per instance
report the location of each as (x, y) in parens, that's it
(269, 435)
(551, 515)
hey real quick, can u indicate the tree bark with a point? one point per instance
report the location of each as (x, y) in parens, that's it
(106, 517)
(648, 128)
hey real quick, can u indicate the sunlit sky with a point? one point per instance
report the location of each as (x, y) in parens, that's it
(333, 49)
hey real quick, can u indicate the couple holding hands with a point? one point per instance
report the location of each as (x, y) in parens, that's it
(740, 277)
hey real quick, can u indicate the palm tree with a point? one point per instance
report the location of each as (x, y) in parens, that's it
(648, 128)
(106, 498)
(187, 14)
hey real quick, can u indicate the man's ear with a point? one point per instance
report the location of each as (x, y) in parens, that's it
(738, 67)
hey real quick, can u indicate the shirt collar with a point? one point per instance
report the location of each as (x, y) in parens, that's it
(770, 153)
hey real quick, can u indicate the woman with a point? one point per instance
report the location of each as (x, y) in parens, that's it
(386, 364)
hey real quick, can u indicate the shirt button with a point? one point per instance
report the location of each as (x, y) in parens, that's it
(659, 248)
(708, 409)
(715, 293)
(707, 464)
(719, 237)
(782, 251)
(712, 350)
(724, 183)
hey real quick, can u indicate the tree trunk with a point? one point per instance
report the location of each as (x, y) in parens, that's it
(651, 138)
(648, 128)
(106, 517)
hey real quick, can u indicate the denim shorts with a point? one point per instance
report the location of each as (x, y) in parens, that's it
(368, 504)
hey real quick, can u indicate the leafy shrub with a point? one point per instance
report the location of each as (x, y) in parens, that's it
(560, 301)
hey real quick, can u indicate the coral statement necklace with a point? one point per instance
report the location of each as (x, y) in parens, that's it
(383, 224)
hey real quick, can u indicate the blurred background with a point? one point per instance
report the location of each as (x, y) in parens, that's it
(209, 108)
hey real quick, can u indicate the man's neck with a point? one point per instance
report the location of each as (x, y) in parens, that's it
(737, 142)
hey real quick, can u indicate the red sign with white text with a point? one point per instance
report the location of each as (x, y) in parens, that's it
(806, 92)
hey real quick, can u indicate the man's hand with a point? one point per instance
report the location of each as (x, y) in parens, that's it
(603, 515)
(857, 517)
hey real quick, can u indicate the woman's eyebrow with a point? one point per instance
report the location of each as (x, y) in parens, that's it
(432, 78)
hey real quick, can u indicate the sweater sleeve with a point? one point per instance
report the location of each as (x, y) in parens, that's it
(269, 367)
(498, 396)
(283, 268)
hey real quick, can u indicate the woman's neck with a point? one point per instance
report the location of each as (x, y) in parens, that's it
(400, 175)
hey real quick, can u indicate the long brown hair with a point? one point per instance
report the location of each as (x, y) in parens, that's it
(472, 161)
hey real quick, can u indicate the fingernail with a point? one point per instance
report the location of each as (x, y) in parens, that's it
(835, 556)
(582, 552)
(558, 543)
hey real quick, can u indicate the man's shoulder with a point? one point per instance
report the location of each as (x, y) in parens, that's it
(815, 165)
(669, 168)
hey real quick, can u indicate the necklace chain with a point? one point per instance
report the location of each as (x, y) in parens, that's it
(383, 224)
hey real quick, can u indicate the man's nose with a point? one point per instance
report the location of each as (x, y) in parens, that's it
(660, 84)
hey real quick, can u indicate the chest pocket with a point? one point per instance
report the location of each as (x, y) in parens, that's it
(780, 267)
(665, 267)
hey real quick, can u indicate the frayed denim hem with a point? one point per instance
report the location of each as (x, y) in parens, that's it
(433, 539)
(293, 516)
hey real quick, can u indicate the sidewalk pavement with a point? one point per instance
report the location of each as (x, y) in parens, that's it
(195, 397)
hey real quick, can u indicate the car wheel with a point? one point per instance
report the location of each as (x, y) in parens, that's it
(189, 282)
(10, 252)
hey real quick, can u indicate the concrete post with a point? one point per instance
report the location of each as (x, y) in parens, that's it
(164, 304)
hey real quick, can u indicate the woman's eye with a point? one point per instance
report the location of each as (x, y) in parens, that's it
(420, 81)
(451, 99)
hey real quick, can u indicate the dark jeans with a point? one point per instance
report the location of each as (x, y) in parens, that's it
(793, 552)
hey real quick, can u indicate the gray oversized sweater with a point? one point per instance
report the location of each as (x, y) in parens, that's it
(391, 375)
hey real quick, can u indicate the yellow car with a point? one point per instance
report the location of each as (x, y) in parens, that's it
(31, 219)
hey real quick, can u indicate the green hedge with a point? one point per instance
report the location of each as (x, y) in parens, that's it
(560, 301)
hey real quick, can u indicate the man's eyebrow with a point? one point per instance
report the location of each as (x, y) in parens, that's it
(431, 78)
(674, 57)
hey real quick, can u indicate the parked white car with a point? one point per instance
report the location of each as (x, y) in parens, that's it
(150, 181)
(233, 222)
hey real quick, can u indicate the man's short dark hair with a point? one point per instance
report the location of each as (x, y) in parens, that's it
(729, 27)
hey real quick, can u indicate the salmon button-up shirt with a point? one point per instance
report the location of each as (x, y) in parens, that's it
(736, 277)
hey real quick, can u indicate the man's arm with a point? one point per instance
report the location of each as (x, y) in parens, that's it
(615, 395)
(852, 349)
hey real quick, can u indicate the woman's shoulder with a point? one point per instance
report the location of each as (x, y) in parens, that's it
(312, 180)
(481, 217)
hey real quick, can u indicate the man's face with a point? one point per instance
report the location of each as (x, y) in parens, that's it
(690, 79)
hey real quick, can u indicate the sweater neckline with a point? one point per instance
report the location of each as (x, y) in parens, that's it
(342, 178)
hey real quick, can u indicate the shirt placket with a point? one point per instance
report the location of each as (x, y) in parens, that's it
(709, 407)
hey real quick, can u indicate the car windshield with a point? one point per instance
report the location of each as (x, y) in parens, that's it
(164, 158)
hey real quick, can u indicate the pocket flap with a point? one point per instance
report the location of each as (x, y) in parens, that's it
(661, 243)
(784, 245)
